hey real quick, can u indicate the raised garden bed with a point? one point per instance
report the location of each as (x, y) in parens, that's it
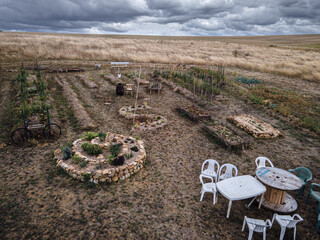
(143, 120)
(102, 159)
(255, 126)
(226, 136)
(194, 113)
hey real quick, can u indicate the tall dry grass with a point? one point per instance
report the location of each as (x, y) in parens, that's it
(286, 61)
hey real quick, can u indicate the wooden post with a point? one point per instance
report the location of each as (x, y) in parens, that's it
(137, 93)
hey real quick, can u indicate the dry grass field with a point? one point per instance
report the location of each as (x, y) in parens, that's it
(274, 79)
(256, 53)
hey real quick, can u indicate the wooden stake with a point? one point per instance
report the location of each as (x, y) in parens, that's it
(137, 94)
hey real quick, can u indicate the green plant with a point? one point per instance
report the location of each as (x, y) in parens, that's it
(129, 155)
(115, 149)
(91, 149)
(76, 159)
(102, 136)
(110, 158)
(86, 176)
(67, 153)
(137, 138)
(89, 135)
(83, 163)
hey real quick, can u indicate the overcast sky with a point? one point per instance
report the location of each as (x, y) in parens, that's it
(166, 17)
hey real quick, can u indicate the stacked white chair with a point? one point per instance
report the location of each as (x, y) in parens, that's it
(261, 162)
(230, 171)
(256, 225)
(209, 187)
(286, 221)
(211, 171)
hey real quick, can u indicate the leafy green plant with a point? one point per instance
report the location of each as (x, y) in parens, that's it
(115, 149)
(91, 149)
(67, 153)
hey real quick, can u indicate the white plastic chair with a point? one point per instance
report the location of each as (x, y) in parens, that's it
(211, 171)
(228, 172)
(256, 225)
(261, 162)
(286, 221)
(209, 187)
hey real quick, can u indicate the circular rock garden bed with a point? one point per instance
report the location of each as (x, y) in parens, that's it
(143, 120)
(102, 157)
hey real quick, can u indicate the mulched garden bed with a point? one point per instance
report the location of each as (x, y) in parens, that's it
(194, 113)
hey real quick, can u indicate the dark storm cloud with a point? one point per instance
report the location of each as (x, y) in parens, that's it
(171, 17)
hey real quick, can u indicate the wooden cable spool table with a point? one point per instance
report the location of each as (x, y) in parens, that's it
(277, 182)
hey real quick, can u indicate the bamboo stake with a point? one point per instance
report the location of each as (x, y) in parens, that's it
(137, 94)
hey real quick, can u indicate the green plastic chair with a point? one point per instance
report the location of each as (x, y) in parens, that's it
(304, 174)
(314, 194)
(318, 224)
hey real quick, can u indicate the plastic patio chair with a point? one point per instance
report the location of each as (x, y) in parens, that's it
(261, 162)
(256, 225)
(228, 172)
(314, 194)
(304, 174)
(318, 224)
(286, 221)
(209, 187)
(211, 171)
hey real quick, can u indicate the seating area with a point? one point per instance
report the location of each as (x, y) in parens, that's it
(264, 189)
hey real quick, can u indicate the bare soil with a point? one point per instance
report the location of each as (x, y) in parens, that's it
(161, 201)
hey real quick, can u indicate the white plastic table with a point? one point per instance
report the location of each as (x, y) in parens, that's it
(239, 188)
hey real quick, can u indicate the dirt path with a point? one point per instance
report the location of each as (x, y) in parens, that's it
(159, 202)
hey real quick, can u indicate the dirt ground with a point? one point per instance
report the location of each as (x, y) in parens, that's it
(162, 201)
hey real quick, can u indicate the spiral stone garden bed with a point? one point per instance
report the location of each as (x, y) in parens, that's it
(103, 166)
(143, 120)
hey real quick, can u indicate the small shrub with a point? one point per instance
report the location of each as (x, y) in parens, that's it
(137, 138)
(89, 135)
(83, 163)
(86, 176)
(76, 159)
(102, 136)
(91, 149)
(67, 153)
(115, 149)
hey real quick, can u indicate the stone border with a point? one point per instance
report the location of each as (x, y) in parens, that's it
(156, 121)
(110, 174)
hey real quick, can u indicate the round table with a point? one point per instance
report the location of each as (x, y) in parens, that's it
(277, 182)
